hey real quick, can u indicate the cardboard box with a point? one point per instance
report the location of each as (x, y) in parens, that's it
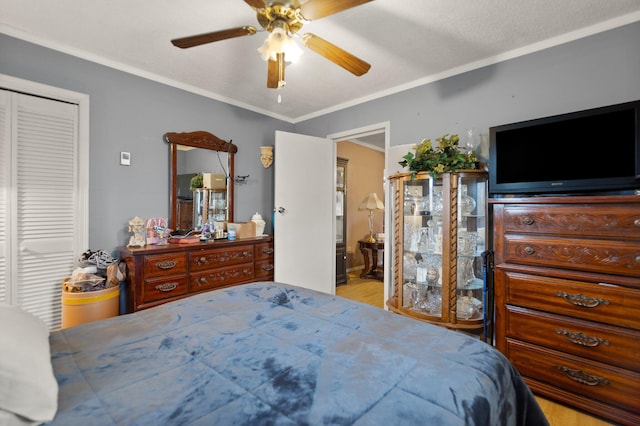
(244, 230)
(213, 181)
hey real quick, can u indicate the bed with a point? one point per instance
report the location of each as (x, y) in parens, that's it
(273, 354)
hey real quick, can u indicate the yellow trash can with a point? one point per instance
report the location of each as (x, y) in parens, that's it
(81, 308)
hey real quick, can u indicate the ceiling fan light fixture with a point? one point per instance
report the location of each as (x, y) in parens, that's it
(278, 41)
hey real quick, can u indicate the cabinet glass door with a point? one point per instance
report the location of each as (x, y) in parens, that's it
(218, 205)
(471, 233)
(439, 240)
(341, 220)
(339, 217)
(422, 246)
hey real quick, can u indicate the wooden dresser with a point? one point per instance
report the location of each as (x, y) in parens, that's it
(160, 274)
(567, 287)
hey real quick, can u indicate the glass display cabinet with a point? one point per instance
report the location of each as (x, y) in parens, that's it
(438, 247)
(341, 222)
(209, 205)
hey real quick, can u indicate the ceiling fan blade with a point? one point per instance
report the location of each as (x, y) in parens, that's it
(316, 9)
(199, 39)
(256, 4)
(275, 72)
(335, 54)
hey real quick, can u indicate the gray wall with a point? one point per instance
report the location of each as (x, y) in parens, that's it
(595, 71)
(129, 113)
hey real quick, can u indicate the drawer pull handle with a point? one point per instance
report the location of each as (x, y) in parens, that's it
(529, 250)
(582, 339)
(637, 222)
(202, 260)
(167, 264)
(582, 300)
(268, 267)
(582, 377)
(166, 286)
(203, 280)
(528, 220)
(270, 250)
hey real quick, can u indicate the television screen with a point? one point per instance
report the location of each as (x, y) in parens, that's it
(184, 186)
(588, 150)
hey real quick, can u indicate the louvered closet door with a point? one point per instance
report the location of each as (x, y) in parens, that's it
(42, 204)
(5, 162)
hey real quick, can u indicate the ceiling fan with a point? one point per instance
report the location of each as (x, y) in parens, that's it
(282, 19)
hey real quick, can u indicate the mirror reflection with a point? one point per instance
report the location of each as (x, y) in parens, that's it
(201, 187)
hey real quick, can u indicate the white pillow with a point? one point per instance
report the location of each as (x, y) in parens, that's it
(28, 388)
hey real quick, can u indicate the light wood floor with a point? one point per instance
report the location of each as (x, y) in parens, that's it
(371, 292)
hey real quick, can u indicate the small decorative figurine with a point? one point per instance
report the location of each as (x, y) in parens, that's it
(136, 227)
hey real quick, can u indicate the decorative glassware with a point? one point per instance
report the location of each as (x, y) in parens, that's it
(413, 296)
(467, 203)
(437, 201)
(434, 301)
(467, 243)
(421, 272)
(423, 241)
(409, 267)
(471, 142)
(466, 274)
(466, 307)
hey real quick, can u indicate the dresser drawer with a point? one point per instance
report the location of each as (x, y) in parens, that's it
(602, 256)
(214, 258)
(264, 269)
(163, 288)
(220, 277)
(608, 344)
(603, 303)
(614, 221)
(264, 251)
(611, 385)
(156, 265)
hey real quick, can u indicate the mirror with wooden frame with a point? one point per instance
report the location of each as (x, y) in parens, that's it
(193, 153)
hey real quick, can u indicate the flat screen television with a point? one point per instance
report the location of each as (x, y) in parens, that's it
(184, 186)
(591, 151)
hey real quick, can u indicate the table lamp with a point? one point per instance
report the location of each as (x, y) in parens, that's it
(371, 203)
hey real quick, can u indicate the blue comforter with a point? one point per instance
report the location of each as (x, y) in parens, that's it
(272, 354)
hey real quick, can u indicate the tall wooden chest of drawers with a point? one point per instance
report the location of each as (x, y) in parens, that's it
(567, 289)
(158, 274)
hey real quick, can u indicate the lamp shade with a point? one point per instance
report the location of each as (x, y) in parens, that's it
(278, 41)
(371, 202)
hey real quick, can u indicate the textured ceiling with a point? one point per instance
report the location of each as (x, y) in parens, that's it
(408, 43)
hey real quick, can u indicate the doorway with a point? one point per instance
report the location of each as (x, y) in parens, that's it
(366, 150)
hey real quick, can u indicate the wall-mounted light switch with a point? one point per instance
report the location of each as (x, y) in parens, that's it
(125, 158)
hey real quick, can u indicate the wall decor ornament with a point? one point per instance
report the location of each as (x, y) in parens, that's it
(266, 156)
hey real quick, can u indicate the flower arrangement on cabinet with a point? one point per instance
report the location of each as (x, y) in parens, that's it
(445, 157)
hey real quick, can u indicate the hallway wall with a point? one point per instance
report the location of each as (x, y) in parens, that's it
(365, 174)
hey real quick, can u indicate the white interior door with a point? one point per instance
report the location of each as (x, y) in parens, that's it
(304, 228)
